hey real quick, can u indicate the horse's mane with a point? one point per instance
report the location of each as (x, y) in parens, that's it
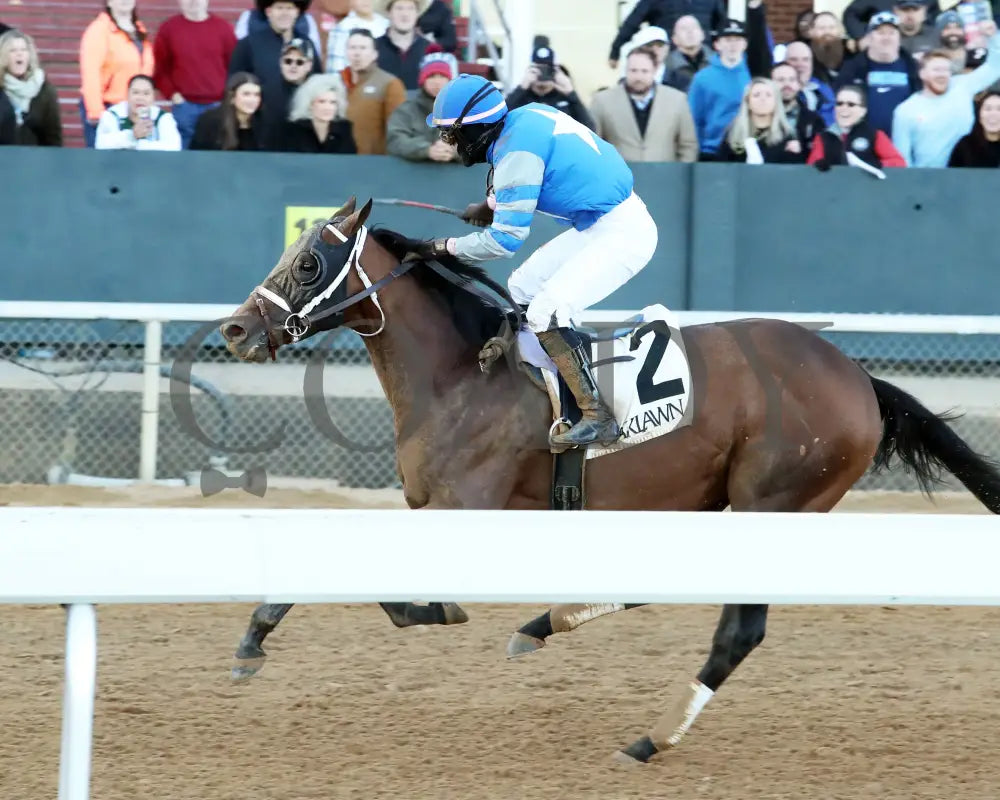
(475, 319)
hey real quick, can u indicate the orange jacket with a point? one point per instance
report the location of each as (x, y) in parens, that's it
(109, 59)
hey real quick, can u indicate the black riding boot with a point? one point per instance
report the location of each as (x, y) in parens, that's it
(597, 423)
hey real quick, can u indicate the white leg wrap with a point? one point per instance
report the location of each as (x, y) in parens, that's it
(567, 617)
(672, 727)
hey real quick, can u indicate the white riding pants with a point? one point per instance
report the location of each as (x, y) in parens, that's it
(579, 268)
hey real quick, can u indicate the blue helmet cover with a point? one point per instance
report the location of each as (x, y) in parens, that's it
(452, 100)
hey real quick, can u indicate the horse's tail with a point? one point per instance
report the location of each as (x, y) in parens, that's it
(925, 443)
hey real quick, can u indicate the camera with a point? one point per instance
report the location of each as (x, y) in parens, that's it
(546, 72)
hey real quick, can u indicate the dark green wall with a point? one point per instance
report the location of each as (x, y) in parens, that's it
(205, 227)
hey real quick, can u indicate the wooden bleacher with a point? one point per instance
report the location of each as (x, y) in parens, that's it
(57, 25)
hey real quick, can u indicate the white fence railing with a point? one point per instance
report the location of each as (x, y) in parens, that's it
(82, 556)
(153, 316)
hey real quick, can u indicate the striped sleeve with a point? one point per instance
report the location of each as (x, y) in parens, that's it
(517, 181)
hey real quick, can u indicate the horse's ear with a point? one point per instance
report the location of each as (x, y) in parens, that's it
(366, 209)
(357, 219)
(346, 209)
(333, 234)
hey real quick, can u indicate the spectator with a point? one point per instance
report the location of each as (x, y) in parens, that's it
(8, 121)
(372, 93)
(547, 82)
(828, 46)
(927, 126)
(236, 123)
(981, 146)
(362, 16)
(257, 20)
(137, 123)
(260, 51)
(316, 123)
(114, 49)
(887, 72)
(192, 53)
(711, 15)
(437, 24)
(401, 48)
(951, 39)
(817, 95)
(716, 92)
(297, 63)
(644, 120)
(656, 41)
(409, 136)
(917, 32)
(328, 13)
(688, 53)
(760, 133)
(803, 27)
(32, 96)
(804, 121)
(852, 133)
(858, 14)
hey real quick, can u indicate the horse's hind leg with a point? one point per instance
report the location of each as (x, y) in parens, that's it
(250, 655)
(741, 628)
(403, 615)
(559, 619)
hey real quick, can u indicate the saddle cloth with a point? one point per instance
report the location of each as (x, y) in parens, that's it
(643, 369)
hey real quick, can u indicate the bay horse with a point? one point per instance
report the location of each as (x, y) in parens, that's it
(785, 422)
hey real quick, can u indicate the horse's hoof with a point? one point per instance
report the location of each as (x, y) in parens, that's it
(639, 752)
(623, 758)
(245, 668)
(453, 614)
(521, 644)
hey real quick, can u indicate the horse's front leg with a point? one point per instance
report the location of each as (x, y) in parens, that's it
(250, 655)
(559, 619)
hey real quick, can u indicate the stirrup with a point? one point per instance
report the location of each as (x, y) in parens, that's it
(596, 437)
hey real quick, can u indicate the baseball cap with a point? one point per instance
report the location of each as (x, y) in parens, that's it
(304, 46)
(543, 55)
(732, 27)
(882, 18)
(910, 3)
(648, 35)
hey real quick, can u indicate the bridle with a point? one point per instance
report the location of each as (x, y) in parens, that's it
(298, 322)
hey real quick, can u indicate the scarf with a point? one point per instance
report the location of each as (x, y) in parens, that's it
(22, 91)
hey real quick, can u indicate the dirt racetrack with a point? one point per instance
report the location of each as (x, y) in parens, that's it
(839, 702)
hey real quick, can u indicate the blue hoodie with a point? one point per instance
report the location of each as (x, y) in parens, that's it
(715, 95)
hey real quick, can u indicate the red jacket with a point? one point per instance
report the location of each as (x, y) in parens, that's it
(882, 148)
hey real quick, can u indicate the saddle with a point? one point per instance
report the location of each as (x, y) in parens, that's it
(526, 354)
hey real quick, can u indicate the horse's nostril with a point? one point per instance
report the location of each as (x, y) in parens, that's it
(236, 334)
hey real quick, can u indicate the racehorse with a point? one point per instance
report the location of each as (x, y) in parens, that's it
(784, 421)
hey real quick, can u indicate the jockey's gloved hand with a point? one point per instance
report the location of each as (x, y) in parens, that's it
(478, 214)
(432, 248)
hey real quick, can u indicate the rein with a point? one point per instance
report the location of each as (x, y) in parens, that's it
(298, 323)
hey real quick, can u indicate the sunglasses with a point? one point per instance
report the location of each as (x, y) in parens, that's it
(848, 103)
(294, 62)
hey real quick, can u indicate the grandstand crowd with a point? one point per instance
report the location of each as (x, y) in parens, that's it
(890, 83)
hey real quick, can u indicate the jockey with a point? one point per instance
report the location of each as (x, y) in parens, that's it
(544, 160)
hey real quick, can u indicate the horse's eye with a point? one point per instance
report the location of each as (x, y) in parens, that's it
(306, 269)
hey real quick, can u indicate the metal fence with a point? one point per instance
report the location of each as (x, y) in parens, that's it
(72, 401)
